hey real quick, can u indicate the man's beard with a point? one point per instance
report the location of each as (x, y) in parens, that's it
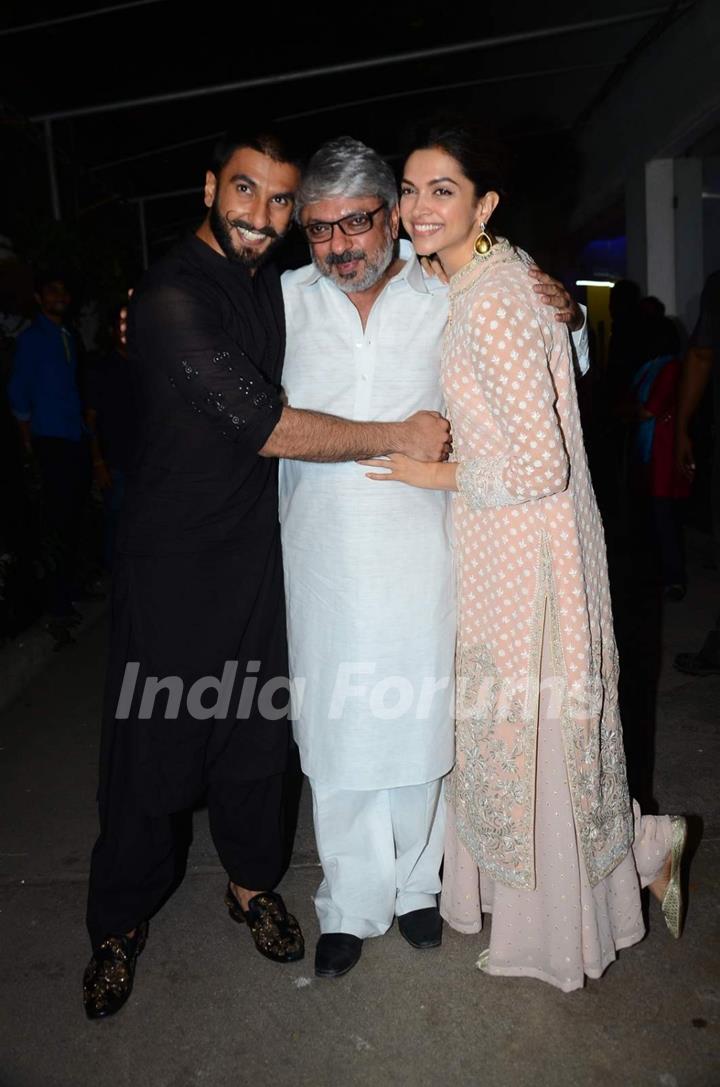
(373, 271)
(223, 229)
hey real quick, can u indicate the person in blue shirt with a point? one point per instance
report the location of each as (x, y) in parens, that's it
(44, 397)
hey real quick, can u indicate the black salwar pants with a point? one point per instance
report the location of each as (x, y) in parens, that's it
(184, 617)
(139, 859)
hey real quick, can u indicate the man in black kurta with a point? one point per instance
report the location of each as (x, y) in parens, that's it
(198, 582)
(199, 571)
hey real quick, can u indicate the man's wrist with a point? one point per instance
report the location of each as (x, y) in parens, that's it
(399, 437)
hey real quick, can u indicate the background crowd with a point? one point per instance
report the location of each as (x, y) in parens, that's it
(66, 432)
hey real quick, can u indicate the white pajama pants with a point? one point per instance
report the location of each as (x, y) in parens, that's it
(380, 851)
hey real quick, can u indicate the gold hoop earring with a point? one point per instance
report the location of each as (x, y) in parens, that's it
(484, 242)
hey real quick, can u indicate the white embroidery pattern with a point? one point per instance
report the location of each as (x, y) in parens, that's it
(527, 532)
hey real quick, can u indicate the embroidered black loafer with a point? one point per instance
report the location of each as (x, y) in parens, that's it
(276, 933)
(108, 979)
(422, 928)
(336, 953)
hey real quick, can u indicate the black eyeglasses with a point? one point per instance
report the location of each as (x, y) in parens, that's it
(357, 223)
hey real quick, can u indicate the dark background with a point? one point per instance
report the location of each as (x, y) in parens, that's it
(537, 93)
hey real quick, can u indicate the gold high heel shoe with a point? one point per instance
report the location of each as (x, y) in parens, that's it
(672, 903)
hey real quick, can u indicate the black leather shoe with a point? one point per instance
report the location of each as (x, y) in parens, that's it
(109, 976)
(422, 928)
(276, 932)
(336, 953)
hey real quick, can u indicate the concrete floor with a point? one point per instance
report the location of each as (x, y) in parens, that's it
(207, 1009)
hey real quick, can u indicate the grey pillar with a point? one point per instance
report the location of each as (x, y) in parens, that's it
(664, 226)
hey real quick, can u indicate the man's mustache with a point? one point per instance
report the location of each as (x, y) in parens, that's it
(346, 257)
(243, 225)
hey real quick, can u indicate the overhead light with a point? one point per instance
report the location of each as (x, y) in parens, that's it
(594, 283)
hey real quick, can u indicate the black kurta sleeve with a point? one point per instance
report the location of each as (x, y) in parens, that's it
(180, 330)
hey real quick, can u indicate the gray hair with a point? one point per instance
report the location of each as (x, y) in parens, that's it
(345, 167)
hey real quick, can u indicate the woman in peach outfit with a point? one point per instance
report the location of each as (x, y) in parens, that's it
(541, 829)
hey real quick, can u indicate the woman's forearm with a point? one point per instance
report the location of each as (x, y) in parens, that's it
(444, 476)
(399, 468)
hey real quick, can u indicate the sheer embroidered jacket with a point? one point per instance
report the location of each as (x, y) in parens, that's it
(531, 564)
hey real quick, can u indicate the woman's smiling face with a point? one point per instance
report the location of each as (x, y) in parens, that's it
(440, 209)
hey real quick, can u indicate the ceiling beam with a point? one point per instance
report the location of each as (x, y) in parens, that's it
(356, 65)
(27, 27)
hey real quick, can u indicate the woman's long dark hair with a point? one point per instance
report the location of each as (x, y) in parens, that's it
(484, 160)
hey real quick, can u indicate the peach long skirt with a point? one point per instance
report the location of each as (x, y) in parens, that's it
(564, 929)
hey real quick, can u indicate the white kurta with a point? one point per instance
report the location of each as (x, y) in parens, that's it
(368, 569)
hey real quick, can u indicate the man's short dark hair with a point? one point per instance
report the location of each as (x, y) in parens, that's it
(43, 277)
(267, 140)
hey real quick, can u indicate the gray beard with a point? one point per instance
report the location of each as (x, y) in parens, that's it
(368, 277)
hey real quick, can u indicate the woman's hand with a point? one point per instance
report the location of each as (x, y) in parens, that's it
(401, 469)
(684, 456)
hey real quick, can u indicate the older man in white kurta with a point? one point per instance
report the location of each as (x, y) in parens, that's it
(370, 595)
(369, 576)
